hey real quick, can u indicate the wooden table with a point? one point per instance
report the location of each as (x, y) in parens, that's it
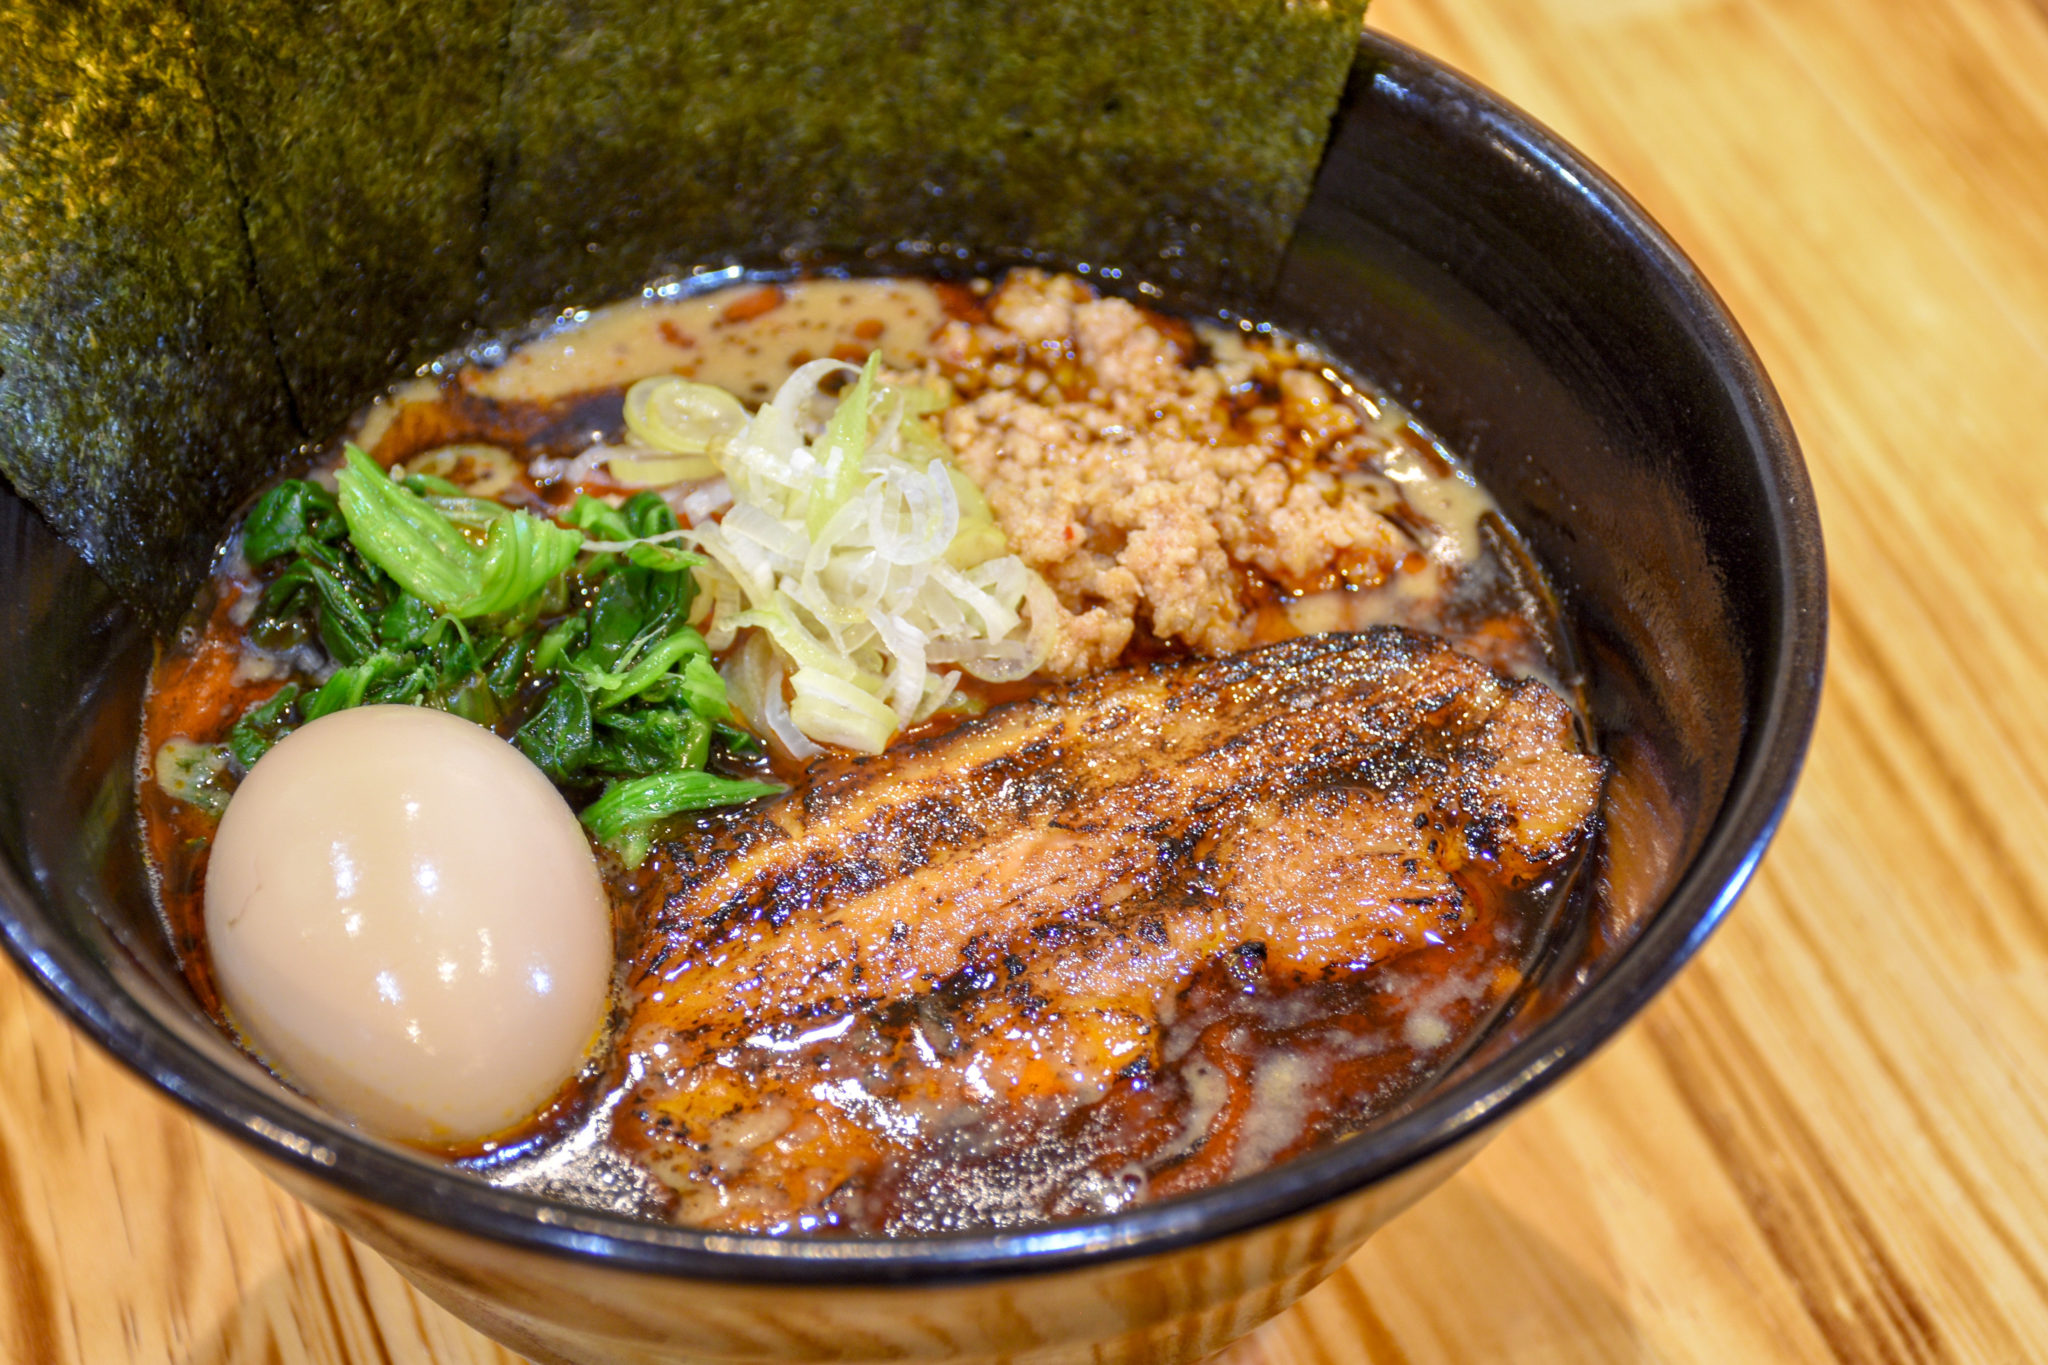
(1829, 1141)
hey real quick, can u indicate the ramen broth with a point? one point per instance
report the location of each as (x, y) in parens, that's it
(527, 423)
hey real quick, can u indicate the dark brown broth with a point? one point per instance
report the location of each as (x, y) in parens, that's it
(1323, 1060)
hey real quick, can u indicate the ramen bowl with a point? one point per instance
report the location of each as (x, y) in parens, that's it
(1524, 309)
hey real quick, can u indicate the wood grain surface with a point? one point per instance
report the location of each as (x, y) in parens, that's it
(1829, 1141)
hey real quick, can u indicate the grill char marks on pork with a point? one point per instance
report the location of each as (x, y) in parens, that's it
(978, 936)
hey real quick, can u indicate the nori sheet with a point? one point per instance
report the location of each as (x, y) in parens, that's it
(359, 135)
(1175, 140)
(620, 142)
(140, 398)
(207, 220)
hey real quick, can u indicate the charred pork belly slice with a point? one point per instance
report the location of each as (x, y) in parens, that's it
(991, 927)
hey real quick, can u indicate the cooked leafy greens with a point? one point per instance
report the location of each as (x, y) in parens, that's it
(624, 815)
(577, 639)
(419, 541)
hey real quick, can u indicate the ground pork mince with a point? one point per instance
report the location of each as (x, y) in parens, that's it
(1139, 483)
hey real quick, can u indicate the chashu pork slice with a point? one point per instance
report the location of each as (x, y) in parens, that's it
(1001, 916)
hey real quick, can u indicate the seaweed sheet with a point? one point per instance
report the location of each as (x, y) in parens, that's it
(210, 219)
(1177, 141)
(359, 135)
(139, 395)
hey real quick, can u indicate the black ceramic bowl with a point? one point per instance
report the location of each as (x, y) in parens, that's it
(1531, 315)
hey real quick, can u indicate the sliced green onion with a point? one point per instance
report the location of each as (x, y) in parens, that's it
(631, 469)
(481, 471)
(843, 449)
(678, 417)
(193, 773)
(839, 712)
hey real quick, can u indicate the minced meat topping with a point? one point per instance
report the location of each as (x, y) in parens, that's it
(1153, 486)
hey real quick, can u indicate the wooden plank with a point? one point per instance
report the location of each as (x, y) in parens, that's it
(1829, 1140)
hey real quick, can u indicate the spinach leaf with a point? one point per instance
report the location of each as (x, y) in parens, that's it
(643, 743)
(407, 623)
(263, 725)
(616, 620)
(623, 818)
(558, 738)
(646, 514)
(294, 508)
(599, 518)
(562, 637)
(704, 690)
(350, 686)
(508, 667)
(346, 628)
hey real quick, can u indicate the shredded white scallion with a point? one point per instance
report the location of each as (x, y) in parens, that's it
(869, 569)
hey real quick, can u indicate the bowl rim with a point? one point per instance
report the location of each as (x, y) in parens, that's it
(1760, 788)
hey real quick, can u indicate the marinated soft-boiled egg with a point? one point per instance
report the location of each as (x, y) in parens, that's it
(406, 921)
